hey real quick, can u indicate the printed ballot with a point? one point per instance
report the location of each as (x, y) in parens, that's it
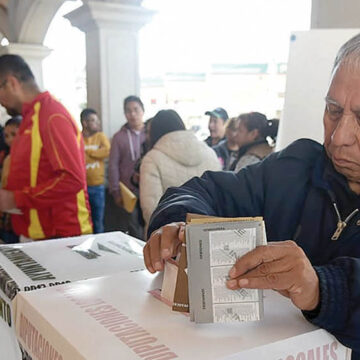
(212, 247)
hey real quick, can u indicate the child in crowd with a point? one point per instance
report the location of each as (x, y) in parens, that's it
(97, 149)
(10, 130)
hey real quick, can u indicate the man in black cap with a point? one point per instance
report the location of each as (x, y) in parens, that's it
(218, 118)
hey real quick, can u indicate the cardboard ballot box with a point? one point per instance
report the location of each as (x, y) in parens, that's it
(37, 265)
(116, 317)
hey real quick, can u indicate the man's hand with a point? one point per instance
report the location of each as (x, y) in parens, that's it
(281, 266)
(163, 244)
(7, 200)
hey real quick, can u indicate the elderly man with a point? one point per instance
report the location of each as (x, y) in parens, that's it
(47, 177)
(309, 197)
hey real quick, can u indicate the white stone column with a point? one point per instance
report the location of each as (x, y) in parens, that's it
(33, 54)
(111, 54)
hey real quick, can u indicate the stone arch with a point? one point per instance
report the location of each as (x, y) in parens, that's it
(31, 19)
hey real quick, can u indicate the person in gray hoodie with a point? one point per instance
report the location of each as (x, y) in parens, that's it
(125, 151)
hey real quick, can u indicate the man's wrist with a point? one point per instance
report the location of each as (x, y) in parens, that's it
(333, 295)
(311, 314)
(315, 299)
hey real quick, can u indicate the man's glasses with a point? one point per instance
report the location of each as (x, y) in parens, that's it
(3, 83)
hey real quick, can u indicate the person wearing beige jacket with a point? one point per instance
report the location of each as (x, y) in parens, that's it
(176, 156)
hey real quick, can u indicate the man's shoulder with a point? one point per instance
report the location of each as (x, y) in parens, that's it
(95, 137)
(101, 135)
(305, 150)
(51, 105)
(121, 133)
(53, 112)
(297, 159)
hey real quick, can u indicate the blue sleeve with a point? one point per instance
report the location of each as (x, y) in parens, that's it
(222, 193)
(339, 310)
(245, 193)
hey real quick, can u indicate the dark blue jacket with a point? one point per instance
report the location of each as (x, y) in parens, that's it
(222, 153)
(296, 191)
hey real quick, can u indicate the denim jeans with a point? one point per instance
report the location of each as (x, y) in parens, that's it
(97, 204)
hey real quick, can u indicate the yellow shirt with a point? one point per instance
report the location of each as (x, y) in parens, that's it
(97, 149)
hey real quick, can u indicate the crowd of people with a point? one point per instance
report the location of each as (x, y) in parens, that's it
(147, 157)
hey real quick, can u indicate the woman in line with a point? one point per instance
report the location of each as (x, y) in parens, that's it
(176, 156)
(254, 130)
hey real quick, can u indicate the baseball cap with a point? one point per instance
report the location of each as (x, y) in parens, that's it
(219, 113)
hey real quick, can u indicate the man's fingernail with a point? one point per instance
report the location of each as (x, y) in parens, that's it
(232, 272)
(165, 253)
(232, 284)
(158, 266)
(243, 282)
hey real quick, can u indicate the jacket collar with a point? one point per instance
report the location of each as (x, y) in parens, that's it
(126, 127)
(27, 107)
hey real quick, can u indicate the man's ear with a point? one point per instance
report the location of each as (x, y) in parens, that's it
(13, 83)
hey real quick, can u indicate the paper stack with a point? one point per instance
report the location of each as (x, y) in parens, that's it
(212, 247)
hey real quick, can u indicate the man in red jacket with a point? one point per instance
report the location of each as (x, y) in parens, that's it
(47, 178)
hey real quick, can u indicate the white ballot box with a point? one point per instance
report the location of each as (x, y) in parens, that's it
(119, 317)
(42, 264)
(9, 348)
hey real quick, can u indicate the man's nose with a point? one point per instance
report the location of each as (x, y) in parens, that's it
(344, 133)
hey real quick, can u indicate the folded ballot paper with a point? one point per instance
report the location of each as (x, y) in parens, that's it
(212, 247)
(128, 197)
(38, 265)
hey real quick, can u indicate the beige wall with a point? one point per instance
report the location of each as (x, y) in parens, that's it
(335, 14)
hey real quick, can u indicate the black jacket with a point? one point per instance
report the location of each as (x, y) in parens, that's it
(296, 191)
(222, 153)
(208, 141)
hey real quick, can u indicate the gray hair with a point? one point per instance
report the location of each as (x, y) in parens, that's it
(348, 54)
